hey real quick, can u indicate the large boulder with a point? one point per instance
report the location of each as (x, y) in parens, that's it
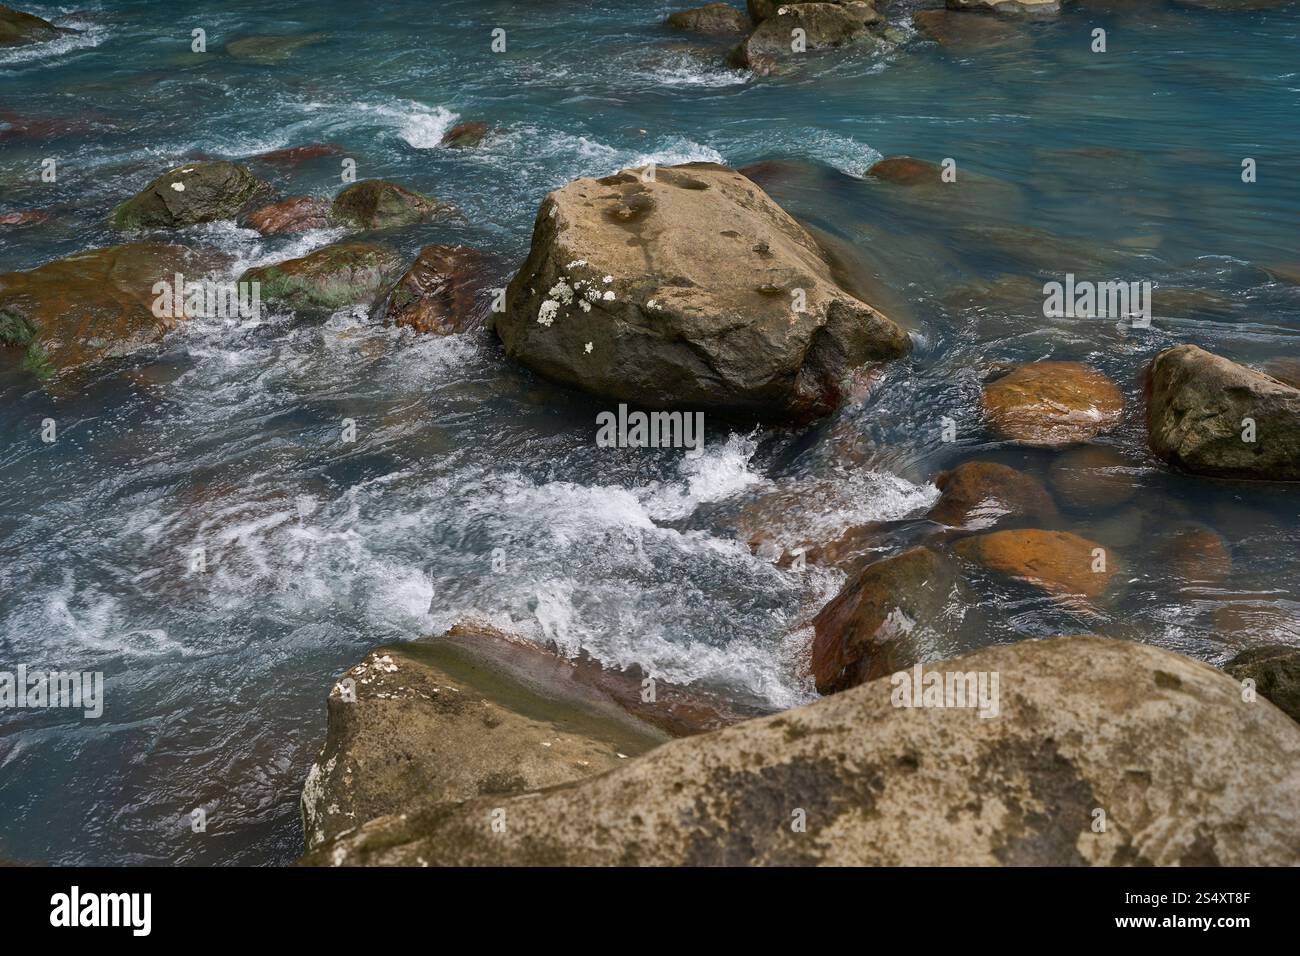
(1058, 562)
(865, 631)
(1211, 416)
(1102, 753)
(193, 193)
(332, 277)
(376, 204)
(1275, 669)
(18, 28)
(693, 290)
(823, 25)
(441, 293)
(1051, 404)
(75, 312)
(474, 712)
(716, 19)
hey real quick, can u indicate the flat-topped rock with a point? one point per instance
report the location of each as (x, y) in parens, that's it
(1185, 771)
(693, 290)
(1051, 404)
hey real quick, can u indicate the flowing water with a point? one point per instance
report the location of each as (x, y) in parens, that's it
(1122, 165)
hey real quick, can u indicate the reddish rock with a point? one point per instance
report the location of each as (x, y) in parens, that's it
(442, 293)
(26, 218)
(905, 171)
(978, 494)
(863, 633)
(294, 155)
(298, 214)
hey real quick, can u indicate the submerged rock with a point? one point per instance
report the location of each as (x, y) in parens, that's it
(18, 28)
(1194, 554)
(1059, 562)
(376, 204)
(1051, 404)
(694, 290)
(823, 25)
(332, 277)
(905, 171)
(96, 305)
(1008, 8)
(464, 135)
(979, 494)
(718, 19)
(193, 193)
(863, 633)
(28, 217)
(296, 155)
(1211, 416)
(442, 292)
(1163, 744)
(297, 214)
(1276, 673)
(1092, 478)
(270, 50)
(953, 29)
(477, 712)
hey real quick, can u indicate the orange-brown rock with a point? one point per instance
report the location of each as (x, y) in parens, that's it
(863, 633)
(1195, 554)
(978, 494)
(96, 305)
(1056, 561)
(905, 171)
(442, 293)
(1051, 404)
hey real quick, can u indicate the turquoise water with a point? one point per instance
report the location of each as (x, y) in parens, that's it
(1123, 165)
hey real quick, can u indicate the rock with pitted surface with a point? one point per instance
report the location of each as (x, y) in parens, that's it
(1059, 562)
(76, 312)
(477, 712)
(714, 19)
(335, 276)
(824, 26)
(1210, 416)
(980, 494)
(691, 290)
(18, 28)
(298, 214)
(376, 204)
(193, 193)
(1187, 772)
(442, 293)
(865, 632)
(1051, 404)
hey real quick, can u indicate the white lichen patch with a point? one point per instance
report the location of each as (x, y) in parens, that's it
(584, 305)
(587, 348)
(609, 295)
(607, 280)
(179, 187)
(576, 264)
(546, 314)
(562, 292)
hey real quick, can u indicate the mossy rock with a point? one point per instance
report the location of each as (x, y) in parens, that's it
(190, 194)
(377, 204)
(347, 273)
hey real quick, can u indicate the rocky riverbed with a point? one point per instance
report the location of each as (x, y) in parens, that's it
(982, 551)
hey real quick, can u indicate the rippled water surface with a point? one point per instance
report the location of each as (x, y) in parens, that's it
(1123, 165)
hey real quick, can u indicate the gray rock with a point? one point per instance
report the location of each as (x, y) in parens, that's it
(1184, 770)
(1201, 410)
(193, 193)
